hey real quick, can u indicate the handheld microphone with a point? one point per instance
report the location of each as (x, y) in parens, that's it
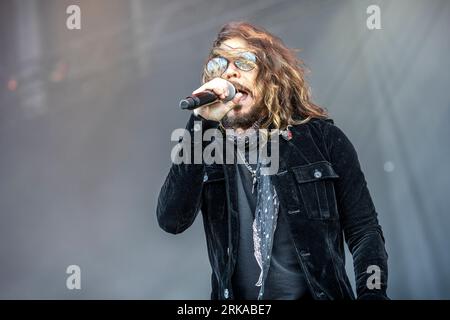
(205, 97)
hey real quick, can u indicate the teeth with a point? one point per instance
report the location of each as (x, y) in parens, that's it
(244, 92)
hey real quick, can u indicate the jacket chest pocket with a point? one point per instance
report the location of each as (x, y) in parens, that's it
(315, 189)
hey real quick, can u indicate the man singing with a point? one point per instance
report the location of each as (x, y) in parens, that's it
(274, 235)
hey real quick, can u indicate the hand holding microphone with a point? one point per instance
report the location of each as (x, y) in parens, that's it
(213, 100)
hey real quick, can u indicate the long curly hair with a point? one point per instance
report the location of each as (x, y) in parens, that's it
(285, 93)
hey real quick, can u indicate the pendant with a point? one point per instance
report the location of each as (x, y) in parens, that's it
(254, 183)
(287, 134)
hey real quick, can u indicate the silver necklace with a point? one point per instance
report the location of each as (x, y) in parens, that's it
(249, 168)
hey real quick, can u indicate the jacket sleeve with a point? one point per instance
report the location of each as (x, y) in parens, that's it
(358, 218)
(181, 194)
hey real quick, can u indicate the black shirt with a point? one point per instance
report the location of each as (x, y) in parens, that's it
(285, 279)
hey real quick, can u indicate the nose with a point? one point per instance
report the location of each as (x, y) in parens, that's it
(231, 72)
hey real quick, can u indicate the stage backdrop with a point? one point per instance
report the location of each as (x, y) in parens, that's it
(86, 116)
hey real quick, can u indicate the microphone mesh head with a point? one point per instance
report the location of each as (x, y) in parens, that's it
(231, 92)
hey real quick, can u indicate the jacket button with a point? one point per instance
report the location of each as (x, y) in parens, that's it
(205, 177)
(317, 174)
(226, 293)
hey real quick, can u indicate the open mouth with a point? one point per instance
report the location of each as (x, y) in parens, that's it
(244, 91)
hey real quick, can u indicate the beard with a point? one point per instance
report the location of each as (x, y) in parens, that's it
(246, 120)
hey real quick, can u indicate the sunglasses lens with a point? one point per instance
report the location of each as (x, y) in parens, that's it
(250, 56)
(246, 62)
(216, 66)
(244, 65)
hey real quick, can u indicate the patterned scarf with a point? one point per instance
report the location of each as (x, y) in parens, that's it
(264, 225)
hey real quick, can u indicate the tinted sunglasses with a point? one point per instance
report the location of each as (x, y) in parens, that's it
(244, 61)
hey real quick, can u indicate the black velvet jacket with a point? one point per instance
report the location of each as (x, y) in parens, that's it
(322, 210)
